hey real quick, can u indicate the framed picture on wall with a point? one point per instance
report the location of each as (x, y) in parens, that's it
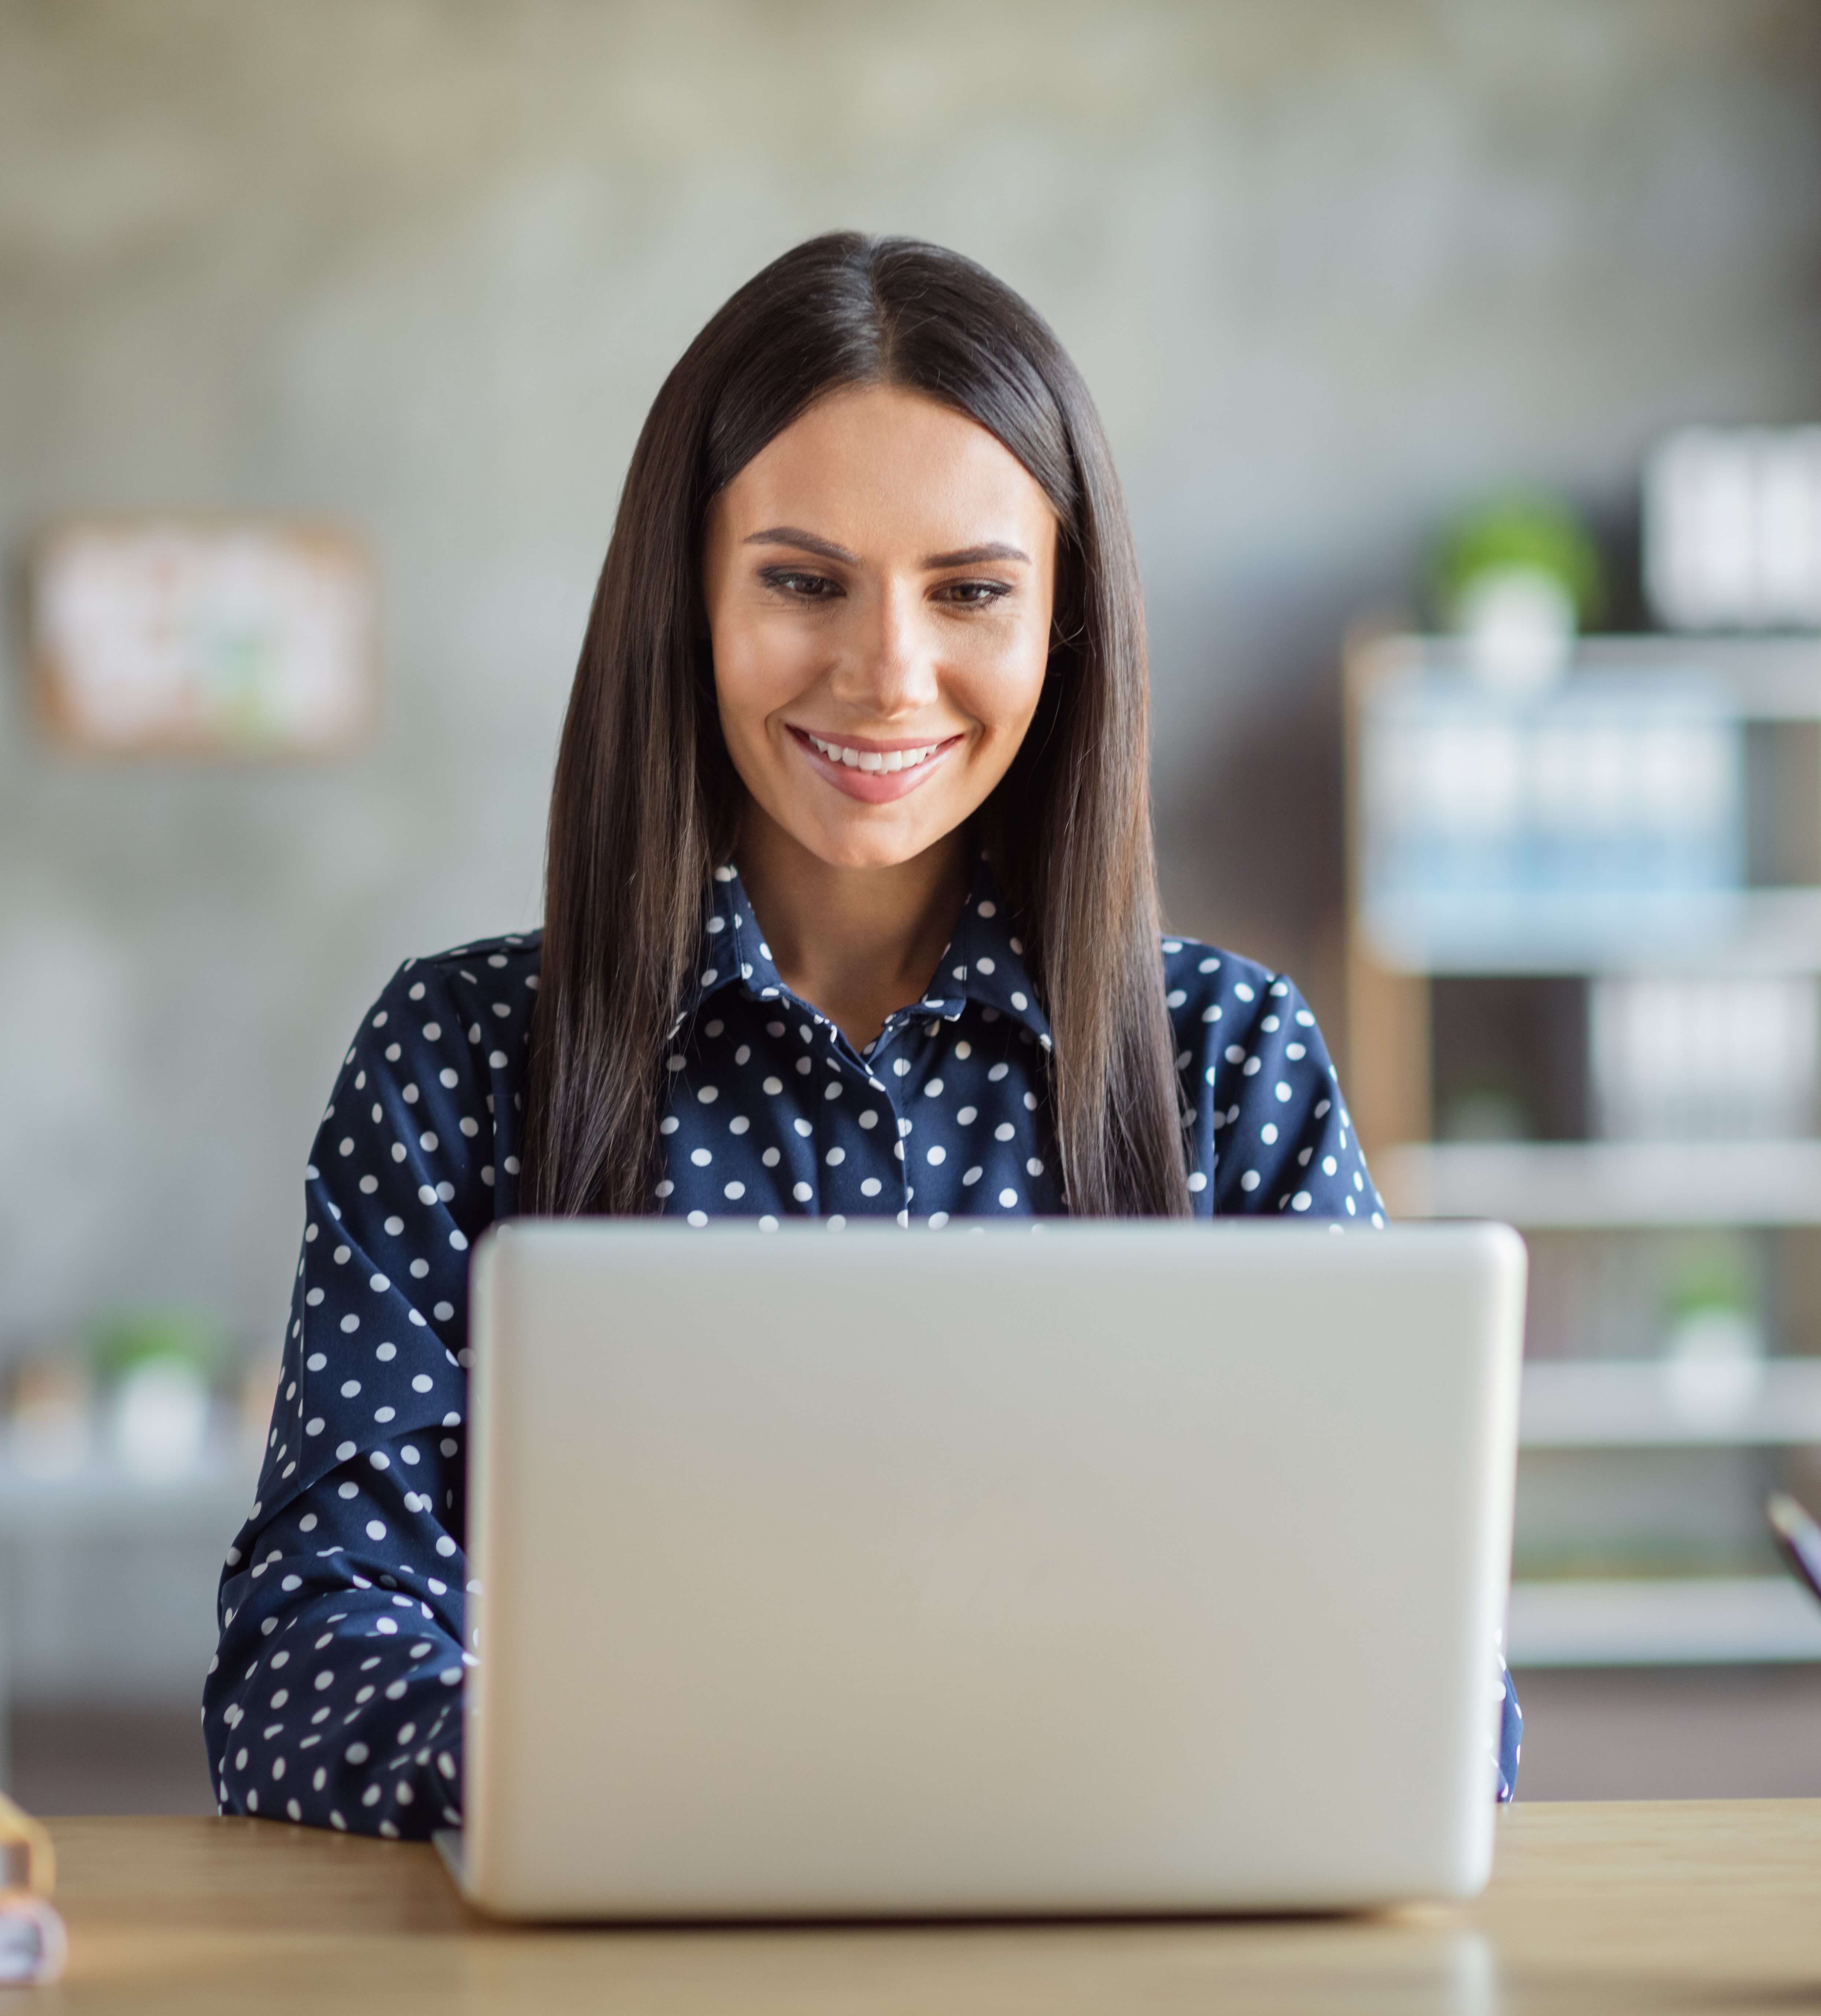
(230, 639)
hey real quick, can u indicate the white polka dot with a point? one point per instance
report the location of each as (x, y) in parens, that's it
(936, 1155)
(735, 1190)
(1008, 1198)
(835, 1157)
(801, 1192)
(701, 1157)
(1249, 1180)
(1197, 1181)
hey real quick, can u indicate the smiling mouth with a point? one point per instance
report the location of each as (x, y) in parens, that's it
(887, 761)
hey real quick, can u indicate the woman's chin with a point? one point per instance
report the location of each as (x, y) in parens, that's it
(870, 841)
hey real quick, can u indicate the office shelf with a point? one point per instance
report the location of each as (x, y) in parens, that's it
(1700, 1620)
(1407, 946)
(1548, 1185)
(1765, 677)
(1655, 1403)
(97, 1496)
(1738, 931)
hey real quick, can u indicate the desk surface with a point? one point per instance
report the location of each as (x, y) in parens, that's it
(1668, 1906)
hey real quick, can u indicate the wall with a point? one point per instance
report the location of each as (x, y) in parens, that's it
(1331, 265)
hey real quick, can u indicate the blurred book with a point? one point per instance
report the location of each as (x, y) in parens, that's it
(1726, 1059)
(1606, 812)
(1732, 529)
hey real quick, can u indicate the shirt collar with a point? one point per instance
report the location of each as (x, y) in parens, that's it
(982, 962)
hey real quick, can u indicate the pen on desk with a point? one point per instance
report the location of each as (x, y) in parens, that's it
(1798, 1538)
(33, 1947)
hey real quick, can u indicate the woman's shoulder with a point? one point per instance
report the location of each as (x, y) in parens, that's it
(485, 988)
(1205, 984)
(1230, 1011)
(479, 966)
(452, 1029)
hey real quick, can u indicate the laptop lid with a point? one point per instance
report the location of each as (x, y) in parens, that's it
(1081, 1567)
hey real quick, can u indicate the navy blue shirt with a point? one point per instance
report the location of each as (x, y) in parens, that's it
(335, 1695)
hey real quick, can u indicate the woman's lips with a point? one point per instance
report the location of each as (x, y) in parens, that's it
(868, 778)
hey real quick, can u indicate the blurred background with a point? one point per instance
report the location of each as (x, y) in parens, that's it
(1457, 355)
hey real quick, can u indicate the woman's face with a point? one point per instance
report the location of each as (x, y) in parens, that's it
(880, 580)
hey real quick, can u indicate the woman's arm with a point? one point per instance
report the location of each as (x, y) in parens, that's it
(351, 1559)
(335, 1696)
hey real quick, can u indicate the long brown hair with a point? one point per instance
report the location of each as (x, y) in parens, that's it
(646, 801)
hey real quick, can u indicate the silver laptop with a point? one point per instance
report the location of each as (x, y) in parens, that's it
(1077, 1568)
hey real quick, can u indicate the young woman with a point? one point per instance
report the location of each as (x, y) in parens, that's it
(851, 911)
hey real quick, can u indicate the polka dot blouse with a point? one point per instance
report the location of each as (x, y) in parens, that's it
(335, 1695)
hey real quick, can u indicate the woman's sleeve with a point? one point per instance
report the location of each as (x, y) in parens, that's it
(1510, 1733)
(335, 1694)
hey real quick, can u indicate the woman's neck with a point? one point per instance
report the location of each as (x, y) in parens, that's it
(855, 943)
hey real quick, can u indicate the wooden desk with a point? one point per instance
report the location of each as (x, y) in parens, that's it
(1664, 1906)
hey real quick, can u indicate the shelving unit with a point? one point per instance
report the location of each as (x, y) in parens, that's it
(1559, 1186)
(1592, 1408)
(1647, 1403)
(1698, 1621)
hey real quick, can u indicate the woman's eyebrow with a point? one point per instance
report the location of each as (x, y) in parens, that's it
(976, 555)
(806, 542)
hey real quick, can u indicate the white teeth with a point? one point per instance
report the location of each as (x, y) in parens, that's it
(886, 760)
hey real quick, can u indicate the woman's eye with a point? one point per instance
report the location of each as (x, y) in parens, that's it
(974, 594)
(795, 581)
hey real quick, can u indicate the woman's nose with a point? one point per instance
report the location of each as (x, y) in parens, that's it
(892, 669)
